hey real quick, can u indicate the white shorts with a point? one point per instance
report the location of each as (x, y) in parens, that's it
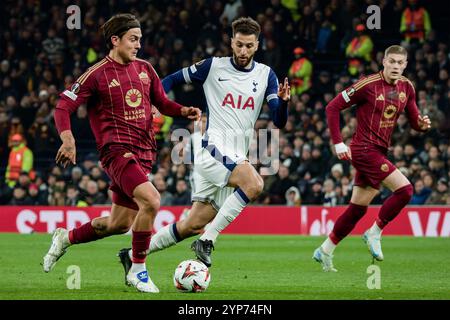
(212, 169)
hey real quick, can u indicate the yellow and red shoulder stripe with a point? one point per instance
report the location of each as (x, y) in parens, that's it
(90, 70)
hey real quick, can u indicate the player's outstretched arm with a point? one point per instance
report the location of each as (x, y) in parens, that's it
(67, 152)
(69, 101)
(278, 103)
(197, 72)
(169, 107)
(172, 80)
(333, 111)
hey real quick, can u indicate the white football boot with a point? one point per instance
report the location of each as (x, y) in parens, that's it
(57, 249)
(142, 282)
(326, 260)
(373, 242)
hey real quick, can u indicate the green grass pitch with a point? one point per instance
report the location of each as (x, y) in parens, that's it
(244, 267)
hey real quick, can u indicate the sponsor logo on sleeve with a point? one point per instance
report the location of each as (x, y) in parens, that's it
(70, 95)
(198, 64)
(346, 94)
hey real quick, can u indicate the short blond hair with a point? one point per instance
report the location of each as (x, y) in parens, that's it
(395, 49)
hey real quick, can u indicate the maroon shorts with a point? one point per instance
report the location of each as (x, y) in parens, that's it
(371, 164)
(126, 172)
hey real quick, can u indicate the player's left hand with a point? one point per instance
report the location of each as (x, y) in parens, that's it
(191, 113)
(424, 122)
(284, 90)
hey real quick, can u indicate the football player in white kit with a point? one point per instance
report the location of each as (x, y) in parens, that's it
(224, 180)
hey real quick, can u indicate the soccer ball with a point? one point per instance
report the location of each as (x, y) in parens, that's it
(191, 276)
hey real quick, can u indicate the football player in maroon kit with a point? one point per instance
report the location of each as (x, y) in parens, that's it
(119, 92)
(379, 98)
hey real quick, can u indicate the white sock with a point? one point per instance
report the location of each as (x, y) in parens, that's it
(138, 267)
(164, 238)
(375, 229)
(230, 209)
(328, 246)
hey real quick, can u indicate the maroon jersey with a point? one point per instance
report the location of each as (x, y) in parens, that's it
(119, 99)
(379, 105)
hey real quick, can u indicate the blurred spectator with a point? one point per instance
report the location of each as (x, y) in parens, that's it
(345, 191)
(421, 193)
(53, 46)
(359, 51)
(37, 197)
(73, 197)
(20, 198)
(300, 72)
(314, 194)
(182, 196)
(20, 160)
(330, 198)
(75, 175)
(293, 198)
(231, 11)
(415, 22)
(337, 172)
(441, 194)
(93, 196)
(277, 190)
(161, 186)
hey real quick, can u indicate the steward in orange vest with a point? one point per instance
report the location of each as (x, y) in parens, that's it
(20, 160)
(359, 50)
(300, 72)
(415, 23)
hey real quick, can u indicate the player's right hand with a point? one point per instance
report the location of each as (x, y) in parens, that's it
(342, 151)
(67, 154)
(191, 113)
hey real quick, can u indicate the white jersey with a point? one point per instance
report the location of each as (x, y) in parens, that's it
(234, 99)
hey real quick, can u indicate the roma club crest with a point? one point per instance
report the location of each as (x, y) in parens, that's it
(144, 78)
(402, 97)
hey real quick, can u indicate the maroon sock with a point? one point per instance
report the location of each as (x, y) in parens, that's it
(85, 233)
(140, 244)
(394, 204)
(346, 222)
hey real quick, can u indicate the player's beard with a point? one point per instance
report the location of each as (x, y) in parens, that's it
(242, 63)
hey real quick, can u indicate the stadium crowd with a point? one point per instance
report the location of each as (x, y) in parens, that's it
(40, 56)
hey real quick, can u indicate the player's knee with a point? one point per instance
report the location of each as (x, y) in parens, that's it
(259, 185)
(254, 188)
(406, 192)
(150, 204)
